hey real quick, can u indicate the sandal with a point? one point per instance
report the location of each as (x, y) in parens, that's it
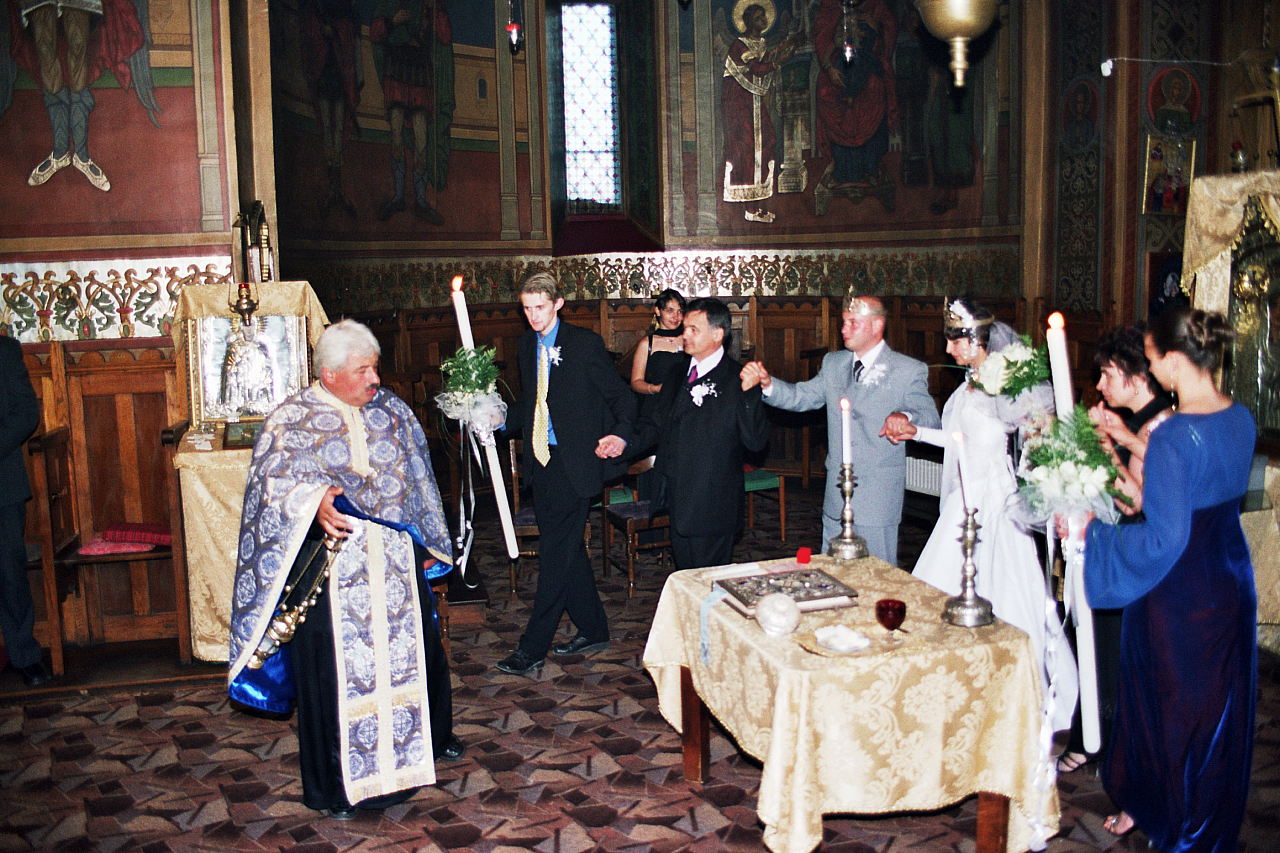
(1069, 762)
(1118, 824)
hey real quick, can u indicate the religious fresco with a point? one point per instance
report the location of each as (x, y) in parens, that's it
(834, 118)
(388, 113)
(109, 118)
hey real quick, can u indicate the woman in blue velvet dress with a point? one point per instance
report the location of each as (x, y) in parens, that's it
(1183, 736)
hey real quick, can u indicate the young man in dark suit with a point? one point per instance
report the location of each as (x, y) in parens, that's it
(575, 412)
(19, 417)
(703, 419)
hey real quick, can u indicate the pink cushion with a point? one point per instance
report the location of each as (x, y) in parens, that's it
(101, 545)
(150, 534)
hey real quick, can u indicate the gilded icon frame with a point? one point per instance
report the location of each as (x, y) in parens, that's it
(281, 339)
(1169, 166)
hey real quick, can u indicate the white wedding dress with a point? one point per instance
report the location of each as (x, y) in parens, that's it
(1009, 570)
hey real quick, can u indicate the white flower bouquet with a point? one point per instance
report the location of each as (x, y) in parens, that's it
(1065, 469)
(1012, 370)
(471, 392)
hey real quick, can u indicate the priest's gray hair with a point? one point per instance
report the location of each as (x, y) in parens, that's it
(343, 340)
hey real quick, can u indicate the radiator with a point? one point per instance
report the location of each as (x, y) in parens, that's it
(924, 476)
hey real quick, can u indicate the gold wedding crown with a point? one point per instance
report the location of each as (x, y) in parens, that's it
(858, 306)
(959, 318)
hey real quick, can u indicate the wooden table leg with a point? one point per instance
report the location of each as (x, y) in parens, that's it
(696, 724)
(993, 821)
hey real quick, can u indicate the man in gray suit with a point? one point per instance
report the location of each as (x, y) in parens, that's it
(877, 382)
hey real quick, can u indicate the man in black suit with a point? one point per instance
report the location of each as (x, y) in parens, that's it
(19, 417)
(702, 421)
(578, 416)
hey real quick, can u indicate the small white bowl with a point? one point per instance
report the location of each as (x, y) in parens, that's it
(841, 638)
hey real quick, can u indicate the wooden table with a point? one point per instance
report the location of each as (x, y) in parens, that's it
(910, 726)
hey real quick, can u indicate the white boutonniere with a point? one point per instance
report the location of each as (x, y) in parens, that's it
(701, 391)
(873, 376)
(553, 355)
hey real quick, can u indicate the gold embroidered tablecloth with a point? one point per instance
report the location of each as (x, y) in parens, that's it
(914, 725)
(212, 496)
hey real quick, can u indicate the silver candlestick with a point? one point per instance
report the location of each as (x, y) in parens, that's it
(968, 609)
(848, 545)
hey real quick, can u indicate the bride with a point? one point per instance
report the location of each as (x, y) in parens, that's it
(1009, 572)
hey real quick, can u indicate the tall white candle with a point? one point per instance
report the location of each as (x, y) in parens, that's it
(1059, 365)
(845, 449)
(491, 452)
(464, 319)
(962, 462)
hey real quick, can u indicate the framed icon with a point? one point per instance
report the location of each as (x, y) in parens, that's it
(241, 373)
(1170, 166)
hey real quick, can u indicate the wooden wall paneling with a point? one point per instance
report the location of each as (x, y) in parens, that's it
(784, 329)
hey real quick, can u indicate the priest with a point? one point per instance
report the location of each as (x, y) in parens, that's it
(342, 518)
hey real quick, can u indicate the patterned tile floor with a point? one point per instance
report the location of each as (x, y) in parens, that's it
(578, 759)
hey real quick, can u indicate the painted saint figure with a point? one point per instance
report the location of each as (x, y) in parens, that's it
(96, 36)
(856, 95)
(413, 52)
(750, 73)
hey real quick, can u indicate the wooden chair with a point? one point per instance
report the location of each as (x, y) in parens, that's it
(631, 517)
(760, 480)
(53, 510)
(523, 520)
(61, 564)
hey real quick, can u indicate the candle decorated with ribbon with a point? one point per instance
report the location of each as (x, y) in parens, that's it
(845, 449)
(1055, 338)
(1060, 367)
(479, 409)
(464, 319)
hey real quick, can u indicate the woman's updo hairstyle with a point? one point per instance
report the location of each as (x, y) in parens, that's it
(966, 318)
(1202, 336)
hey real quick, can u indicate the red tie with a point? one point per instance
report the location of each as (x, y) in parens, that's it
(693, 375)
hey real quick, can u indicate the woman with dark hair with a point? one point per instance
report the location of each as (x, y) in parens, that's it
(1181, 746)
(663, 345)
(1126, 384)
(1009, 571)
(1133, 404)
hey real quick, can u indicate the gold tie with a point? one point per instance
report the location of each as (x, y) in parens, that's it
(541, 417)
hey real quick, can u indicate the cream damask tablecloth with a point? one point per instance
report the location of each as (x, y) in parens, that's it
(212, 482)
(919, 725)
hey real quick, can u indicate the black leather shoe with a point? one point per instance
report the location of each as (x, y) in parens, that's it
(341, 812)
(453, 749)
(35, 674)
(580, 645)
(520, 662)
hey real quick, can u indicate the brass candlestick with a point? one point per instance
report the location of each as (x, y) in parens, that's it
(968, 609)
(848, 545)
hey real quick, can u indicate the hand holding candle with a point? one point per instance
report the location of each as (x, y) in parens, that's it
(1059, 365)
(845, 450)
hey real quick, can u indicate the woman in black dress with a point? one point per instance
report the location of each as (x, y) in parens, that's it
(664, 344)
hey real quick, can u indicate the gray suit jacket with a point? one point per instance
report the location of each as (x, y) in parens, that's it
(895, 383)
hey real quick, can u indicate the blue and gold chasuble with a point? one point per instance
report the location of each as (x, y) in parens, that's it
(378, 455)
